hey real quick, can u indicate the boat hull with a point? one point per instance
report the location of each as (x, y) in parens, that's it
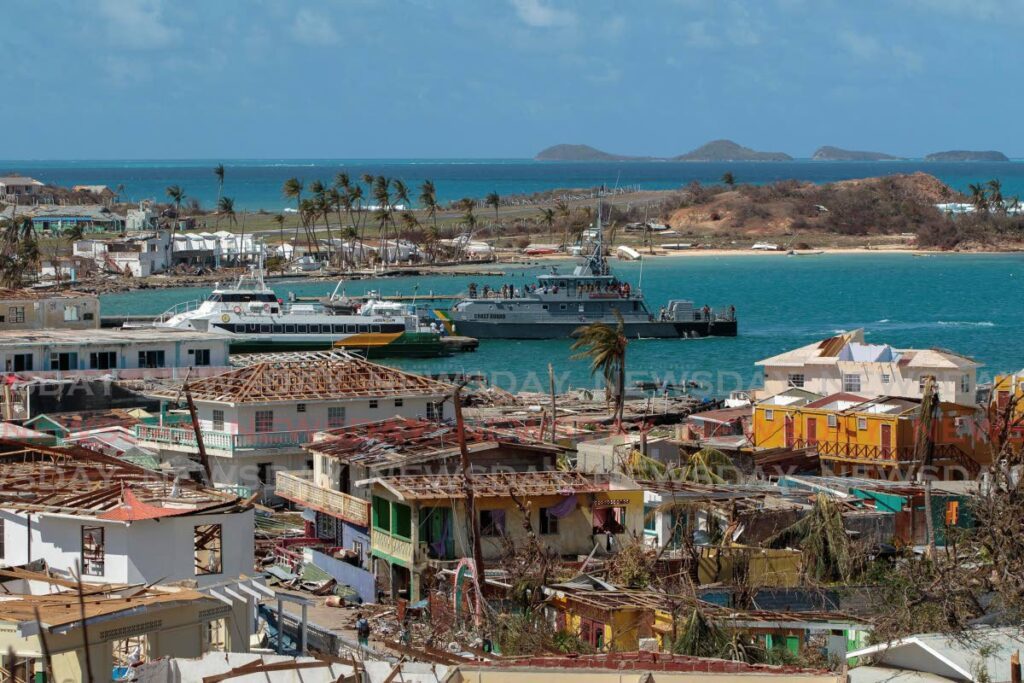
(559, 330)
(406, 345)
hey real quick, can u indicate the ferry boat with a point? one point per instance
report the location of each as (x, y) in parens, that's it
(559, 304)
(256, 321)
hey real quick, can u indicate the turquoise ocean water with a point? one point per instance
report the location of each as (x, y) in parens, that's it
(971, 304)
(256, 184)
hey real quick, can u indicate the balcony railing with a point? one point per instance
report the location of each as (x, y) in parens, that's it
(298, 488)
(221, 442)
(385, 545)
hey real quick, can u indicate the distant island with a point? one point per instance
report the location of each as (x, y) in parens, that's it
(716, 150)
(581, 153)
(727, 150)
(966, 155)
(829, 153)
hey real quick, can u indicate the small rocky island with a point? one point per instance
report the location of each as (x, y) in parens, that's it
(829, 153)
(967, 155)
(727, 150)
(580, 153)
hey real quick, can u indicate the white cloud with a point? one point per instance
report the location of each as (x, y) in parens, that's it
(861, 46)
(137, 24)
(867, 48)
(313, 28)
(535, 13)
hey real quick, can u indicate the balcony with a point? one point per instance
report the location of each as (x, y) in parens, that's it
(384, 544)
(299, 488)
(218, 442)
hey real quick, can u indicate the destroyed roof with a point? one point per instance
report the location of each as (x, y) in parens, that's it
(339, 377)
(791, 397)
(401, 440)
(86, 420)
(71, 480)
(839, 401)
(642, 661)
(493, 485)
(64, 608)
(850, 347)
(34, 294)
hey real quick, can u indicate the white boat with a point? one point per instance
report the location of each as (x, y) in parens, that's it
(677, 246)
(255, 320)
(627, 253)
(737, 399)
(765, 246)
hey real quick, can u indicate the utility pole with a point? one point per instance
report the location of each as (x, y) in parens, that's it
(924, 448)
(554, 410)
(474, 519)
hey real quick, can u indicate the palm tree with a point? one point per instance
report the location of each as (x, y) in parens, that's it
(979, 197)
(218, 171)
(995, 194)
(605, 347)
(292, 189)
(821, 535)
(402, 194)
(226, 209)
(428, 198)
(493, 199)
(119, 190)
(176, 195)
(382, 195)
(729, 179)
(548, 218)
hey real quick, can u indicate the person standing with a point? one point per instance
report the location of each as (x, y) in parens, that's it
(362, 630)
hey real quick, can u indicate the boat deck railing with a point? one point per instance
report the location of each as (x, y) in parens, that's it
(183, 307)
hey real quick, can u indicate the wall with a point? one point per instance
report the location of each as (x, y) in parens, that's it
(176, 353)
(827, 379)
(50, 313)
(142, 552)
(360, 580)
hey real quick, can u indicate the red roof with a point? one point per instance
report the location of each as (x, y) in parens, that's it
(132, 509)
(648, 661)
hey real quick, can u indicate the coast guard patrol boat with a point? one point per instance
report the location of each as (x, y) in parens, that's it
(559, 304)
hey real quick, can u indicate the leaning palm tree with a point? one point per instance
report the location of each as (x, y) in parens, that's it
(605, 347)
(176, 195)
(428, 198)
(226, 209)
(292, 189)
(709, 466)
(979, 197)
(995, 194)
(821, 535)
(493, 199)
(218, 171)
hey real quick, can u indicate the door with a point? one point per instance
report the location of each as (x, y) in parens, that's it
(789, 431)
(812, 431)
(886, 439)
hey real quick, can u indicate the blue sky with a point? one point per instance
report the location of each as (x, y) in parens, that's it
(505, 78)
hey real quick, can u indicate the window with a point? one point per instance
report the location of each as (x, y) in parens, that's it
(103, 360)
(93, 551)
(335, 417)
(886, 378)
(264, 421)
(16, 314)
(402, 520)
(373, 403)
(862, 423)
(263, 472)
(151, 359)
(207, 546)
(399, 402)
(833, 421)
(22, 362)
(218, 420)
(851, 383)
(435, 411)
(216, 636)
(592, 632)
(300, 408)
(548, 522)
(70, 312)
(200, 357)
(769, 415)
(796, 380)
(492, 522)
(381, 513)
(64, 361)
(965, 383)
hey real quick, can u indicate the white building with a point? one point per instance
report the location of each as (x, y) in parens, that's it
(254, 420)
(142, 219)
(140, 255)
(118, 523)
(217, 248)
(123, 354)
(845, 364)
(19, 189)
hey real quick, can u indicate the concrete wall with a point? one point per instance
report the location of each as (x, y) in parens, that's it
(828, 379)
(83, 313)
(142, 552)
(361, 581)
(176, 352)
(241, 419)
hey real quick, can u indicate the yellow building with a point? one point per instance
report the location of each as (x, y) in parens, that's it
(1007, 409)
(123, 625)
(421, 521)
(871, 436)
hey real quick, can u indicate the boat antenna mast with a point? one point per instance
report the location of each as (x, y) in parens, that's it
(596, 262)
